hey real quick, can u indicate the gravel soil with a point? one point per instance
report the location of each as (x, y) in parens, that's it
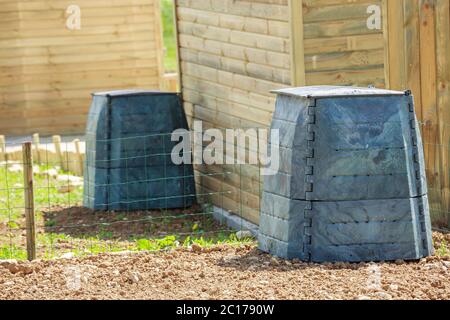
(222, 272)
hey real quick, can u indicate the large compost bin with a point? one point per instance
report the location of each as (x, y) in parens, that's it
(128, 153)
(352, 184)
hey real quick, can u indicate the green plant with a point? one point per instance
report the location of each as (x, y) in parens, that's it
(104, 234)
(169, 37)
(12, 225)
(220, 238)
(12, 252)
(443, 250)
(121, 217)
(50, 223)
(156, 244)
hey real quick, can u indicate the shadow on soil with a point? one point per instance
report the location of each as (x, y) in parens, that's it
(256, 260)
(82, 222)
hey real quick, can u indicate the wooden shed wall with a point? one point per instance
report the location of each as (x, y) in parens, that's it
(233, 52)
(339, 48)
(47, 72)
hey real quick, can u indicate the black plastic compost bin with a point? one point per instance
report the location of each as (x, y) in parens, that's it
(128, 152)
(352, 183)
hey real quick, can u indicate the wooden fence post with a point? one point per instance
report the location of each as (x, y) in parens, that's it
(79, 157)
(2, 148)
(36, 147)
(29, 200)
(57, 143)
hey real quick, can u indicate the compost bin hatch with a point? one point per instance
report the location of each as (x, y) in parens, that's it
(352, 184)
(128, 158)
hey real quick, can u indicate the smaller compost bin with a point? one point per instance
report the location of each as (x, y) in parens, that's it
(128, 152)
(352, 184)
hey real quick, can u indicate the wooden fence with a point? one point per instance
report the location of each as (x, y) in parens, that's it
(418, 51)
(48, 70)
(410, 51)
(333, 45)
(69, 156)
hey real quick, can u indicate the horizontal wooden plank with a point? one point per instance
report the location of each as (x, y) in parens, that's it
(344, 44)
(344, 60)
(38, 15)
(75, 38)
(226, 203)
(75, 67)
(361, 77)
(45, 5)
(45, 51)
(331, 29)
(325, 3)
(61, 32)
(340, 11)
(91, 84)
(222, 195)
(85, 79)
(80, 58)
(254, 9)
(6, 98)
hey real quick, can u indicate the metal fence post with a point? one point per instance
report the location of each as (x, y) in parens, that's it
(29, 200)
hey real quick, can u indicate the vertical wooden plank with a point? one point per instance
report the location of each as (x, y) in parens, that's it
(417, 44)
(385, 13)
(297, 46)
(177, 39)
(57, 143)
(2, 148)
(396, 49)
(29, 200)
(37, 152)
(159, 41)
(79, 158)
(412, 52)
(430, 114)
(443, 97)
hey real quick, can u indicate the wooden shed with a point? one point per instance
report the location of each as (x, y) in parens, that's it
(49, 65)
(233, 52)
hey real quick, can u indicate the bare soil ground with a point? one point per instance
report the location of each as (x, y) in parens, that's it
(223, 272)
(118, 225)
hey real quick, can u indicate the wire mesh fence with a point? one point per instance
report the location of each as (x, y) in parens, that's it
(142, 199)
(437, 165)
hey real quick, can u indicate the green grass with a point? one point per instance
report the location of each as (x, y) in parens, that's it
(46, 194)
(12, 252)
(95, 245)
(169, 37)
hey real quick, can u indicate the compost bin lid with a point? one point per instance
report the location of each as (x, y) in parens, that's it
(336, 91)
(132, 92)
